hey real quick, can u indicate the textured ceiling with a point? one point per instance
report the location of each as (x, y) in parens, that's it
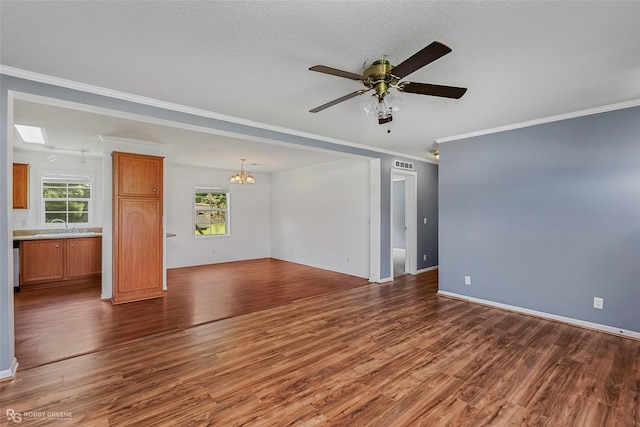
(520, 60)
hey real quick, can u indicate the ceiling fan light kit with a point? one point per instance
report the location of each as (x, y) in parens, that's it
(383, 107)
(382, 76)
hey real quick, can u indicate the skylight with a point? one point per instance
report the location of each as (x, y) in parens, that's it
(31, 134)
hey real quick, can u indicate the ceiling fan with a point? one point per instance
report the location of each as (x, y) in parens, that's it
(382, 76)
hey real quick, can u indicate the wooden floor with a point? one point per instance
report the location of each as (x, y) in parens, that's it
(392, 354)
(58, 323)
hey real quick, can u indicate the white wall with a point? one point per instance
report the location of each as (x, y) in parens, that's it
(249, 218)
(326, 205)
(320, 216)
(26, 219)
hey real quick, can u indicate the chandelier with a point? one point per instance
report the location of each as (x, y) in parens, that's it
(242, 177)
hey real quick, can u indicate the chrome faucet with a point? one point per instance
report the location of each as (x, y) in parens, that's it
(60, 220)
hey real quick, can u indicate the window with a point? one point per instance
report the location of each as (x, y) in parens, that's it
(211, 208)
(66, 198)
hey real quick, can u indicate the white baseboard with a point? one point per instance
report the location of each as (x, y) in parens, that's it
(576, 322)
(9, 374)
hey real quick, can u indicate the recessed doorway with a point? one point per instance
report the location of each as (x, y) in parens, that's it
(403, 223)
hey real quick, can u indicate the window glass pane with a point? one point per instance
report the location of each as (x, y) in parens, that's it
(78, 217)
(79, 191)
(50, 216)
(82, 206)
(54, 191)
(57, 205)
(203, 219)
(219, 223)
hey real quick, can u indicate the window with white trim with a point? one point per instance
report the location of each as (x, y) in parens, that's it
(67, 198)
(211, 211)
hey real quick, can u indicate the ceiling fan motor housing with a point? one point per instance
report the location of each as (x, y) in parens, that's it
(379, 78)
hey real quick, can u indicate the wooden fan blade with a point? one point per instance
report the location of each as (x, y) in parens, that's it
(336, 72)
(339, 100)
(434, 90)
(427, 55)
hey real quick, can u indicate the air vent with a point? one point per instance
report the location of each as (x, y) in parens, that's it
(399, 164)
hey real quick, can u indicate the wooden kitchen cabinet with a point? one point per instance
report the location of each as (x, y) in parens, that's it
(84, 257)
(20, 186)
(137, 227)
(137, 175)
(41, 261)
(59, 262)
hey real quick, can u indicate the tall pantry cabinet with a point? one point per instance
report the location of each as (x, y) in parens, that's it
(137, 227)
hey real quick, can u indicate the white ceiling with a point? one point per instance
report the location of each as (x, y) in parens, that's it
(519, 60)
(71, 130)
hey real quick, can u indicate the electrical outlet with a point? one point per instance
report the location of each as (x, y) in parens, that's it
(424, 257)
(467, 280)
(425, 220)
(598, 303)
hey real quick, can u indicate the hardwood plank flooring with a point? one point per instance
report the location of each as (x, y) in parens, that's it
(57, 323)
(394, 354)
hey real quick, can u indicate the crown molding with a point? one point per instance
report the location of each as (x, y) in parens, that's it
(550, 119)
(117, 139)
(97, 90)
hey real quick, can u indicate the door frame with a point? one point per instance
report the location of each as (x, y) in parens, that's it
(410, 219)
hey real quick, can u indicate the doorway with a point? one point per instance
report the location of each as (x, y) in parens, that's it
(403, 223)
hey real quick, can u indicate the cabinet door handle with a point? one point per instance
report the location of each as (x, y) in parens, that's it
(154, 206)
(154, 190)
(57, 245)
(72, 245)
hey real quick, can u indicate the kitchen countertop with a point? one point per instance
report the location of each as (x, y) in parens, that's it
(49, 236)
(56, 233)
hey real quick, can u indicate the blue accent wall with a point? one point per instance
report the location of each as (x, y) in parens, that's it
(547, 217)
(427, 208)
